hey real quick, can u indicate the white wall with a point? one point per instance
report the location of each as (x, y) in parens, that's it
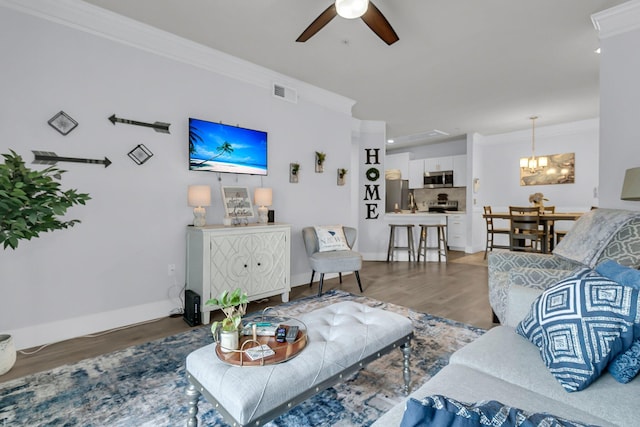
(495, 162)
(373, 234)
(111, 269)
(619, 100)
(499, 171)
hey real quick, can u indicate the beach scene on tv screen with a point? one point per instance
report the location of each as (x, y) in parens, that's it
(216, 147)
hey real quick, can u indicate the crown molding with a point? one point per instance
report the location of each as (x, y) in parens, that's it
(86, 17)
(618, 19)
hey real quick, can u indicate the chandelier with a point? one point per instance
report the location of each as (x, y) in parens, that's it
(533, 163)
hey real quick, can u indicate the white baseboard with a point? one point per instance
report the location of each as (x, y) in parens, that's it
(52, 332)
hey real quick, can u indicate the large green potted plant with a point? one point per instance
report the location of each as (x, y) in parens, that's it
(31, 202)
(227, 331)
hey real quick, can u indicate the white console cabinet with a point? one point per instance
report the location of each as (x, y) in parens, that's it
(255, 258)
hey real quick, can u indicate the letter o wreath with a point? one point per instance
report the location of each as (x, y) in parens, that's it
(373, 174)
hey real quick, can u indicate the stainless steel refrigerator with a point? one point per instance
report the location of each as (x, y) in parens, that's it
(397, 193)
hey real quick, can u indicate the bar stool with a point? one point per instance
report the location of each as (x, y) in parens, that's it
(441, 233)
(392, 241)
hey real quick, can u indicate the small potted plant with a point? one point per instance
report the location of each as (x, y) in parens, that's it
(227, 331)
(537, 199)
(320, 158)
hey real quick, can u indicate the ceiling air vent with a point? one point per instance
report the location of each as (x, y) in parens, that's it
(285, 93)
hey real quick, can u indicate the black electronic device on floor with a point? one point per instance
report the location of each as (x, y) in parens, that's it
(191, 308)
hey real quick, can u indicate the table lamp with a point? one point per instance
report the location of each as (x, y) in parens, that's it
(263, 197)
(631, 185)
(199, 196)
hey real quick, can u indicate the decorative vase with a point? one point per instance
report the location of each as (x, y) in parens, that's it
(229, 341)
(7, 353)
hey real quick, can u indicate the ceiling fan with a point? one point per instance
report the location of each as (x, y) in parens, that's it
(352, 9)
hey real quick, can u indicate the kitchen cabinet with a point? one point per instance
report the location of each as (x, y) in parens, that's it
(416, 173)
(460, 170)
(398, 161)
(456, 231)
(437, 164)
(255, 258)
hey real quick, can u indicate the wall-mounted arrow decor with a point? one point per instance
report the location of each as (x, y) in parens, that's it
(50, 158)
(157, 126)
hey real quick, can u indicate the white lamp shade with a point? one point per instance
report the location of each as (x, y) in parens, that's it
(199, 195)
(351, 9)
(631, 185)
(263, 196)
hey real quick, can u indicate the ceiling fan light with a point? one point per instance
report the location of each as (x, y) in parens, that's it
(352, 9)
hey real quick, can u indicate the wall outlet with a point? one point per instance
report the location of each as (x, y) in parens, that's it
(171, 270)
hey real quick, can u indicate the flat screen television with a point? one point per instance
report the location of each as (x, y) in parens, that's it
(216, 147)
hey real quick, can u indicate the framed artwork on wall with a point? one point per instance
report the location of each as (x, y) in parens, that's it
(63, 123)
(560, 169)
(237, 202)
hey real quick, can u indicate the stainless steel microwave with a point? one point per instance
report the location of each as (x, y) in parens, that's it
(438, 179)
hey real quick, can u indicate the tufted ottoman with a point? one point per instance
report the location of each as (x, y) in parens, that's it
(342, 338)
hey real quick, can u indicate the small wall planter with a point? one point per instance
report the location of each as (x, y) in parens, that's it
(341, 176)
(294, 170)
(320, 158)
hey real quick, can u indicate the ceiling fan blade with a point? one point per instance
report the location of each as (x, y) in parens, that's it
(322, 20)
(379, 24)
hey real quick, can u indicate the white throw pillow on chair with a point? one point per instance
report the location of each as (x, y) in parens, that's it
(331, 238)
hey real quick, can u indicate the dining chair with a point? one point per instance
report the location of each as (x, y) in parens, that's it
(525, 232)
(492, 231)
(550, 237)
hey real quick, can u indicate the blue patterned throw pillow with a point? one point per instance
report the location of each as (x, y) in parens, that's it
(626, 365)
(580, 325)
(442, 411)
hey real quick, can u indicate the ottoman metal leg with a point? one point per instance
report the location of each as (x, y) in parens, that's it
(192, 401)
(406, 372)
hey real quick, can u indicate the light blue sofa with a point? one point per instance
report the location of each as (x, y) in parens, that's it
(502, 365)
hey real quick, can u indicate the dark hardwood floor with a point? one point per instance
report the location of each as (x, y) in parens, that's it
(454, 290)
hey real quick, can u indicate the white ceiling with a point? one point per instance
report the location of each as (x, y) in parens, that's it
(460, 66)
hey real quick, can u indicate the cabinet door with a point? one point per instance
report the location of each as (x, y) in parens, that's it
(437, 164)
(460, 170)
(230, 263)
(456, 229)
(416, 173)
(398, 161)
(268, 260)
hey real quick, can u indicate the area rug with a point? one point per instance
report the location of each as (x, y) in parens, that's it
(145, 385)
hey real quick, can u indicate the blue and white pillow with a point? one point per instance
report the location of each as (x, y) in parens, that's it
(626, 365)
(442, 411)
(580, 325)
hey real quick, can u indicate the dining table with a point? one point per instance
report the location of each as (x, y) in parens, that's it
(547, 219)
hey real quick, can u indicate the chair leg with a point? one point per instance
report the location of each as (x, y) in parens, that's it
(391, 244)
(313, 273)
(321, 282)
(340, 274)
(358, 279)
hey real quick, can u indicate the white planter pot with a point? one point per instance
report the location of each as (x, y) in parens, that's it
(7, 353)
(229, 341)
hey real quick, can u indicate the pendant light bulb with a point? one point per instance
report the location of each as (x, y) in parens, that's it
(351, 9)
